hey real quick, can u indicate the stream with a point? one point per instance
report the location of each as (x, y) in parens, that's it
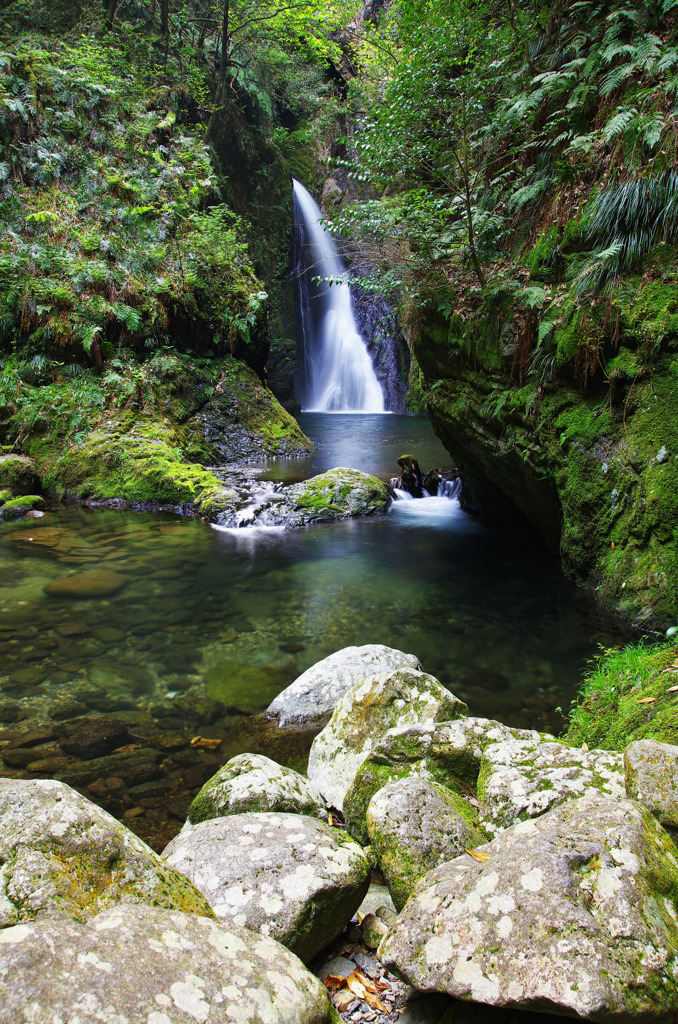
(201, 628)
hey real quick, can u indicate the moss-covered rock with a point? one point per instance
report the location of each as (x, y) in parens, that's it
(18, 475)
(62, 855)
(14, 508)
(651, 777)
(253, 782)
(340, 493)
(414, 825)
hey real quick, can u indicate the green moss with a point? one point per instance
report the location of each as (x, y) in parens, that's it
(16, 507)
(369, 780)
(628, 697)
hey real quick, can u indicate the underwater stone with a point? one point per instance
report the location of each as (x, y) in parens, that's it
(313, 695)
(286, 876)
(363, 714)
(91, 583)
(156, 966)
(574, 913)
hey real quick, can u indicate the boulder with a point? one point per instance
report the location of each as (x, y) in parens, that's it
(16, 508)
(92, 737)
(253, 782)
(313, 695)
(415, 825)
(531, 782)
(338, 494)
(574, 912)
(449, 753)
(90, 583)
(156, 966)
(651, 777)
(19, 474)
(62, 856)
(286, 876)
(363, 714)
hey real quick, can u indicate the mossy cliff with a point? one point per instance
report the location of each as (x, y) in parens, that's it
(593, 471)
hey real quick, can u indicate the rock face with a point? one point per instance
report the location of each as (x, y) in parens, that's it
(574, 912)
(252, 782)
(314, 694)
(363, 714)
(651, 776)
(528, 785)
(155, 966)
(286, 876)
(414, 826)
(61, 856)
(449, 753)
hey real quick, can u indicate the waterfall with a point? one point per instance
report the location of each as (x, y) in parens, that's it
(339, 376)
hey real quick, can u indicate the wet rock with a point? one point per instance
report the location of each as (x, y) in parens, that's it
(252, 782)
(373, 930)
(513, 787)
(363, 714)
(156, 966)
(89, 738)
(16, 508)
(19, 474)
(651, 777)
(9, 711)
(84, 585)
(338, 494)
(61, 855)
(313, 695)
(132, 766)
(286, 876)
(449, 753)
(414, 825)
(573, 912)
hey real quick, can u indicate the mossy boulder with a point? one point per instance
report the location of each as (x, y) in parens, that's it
(18, 475)
(253, 782)
(340, 493)
(63, 856)
(414, 825)
(651, 777)
(363, 714)
(287, 876)
(15, 508)
(157, 966)
(575, 912)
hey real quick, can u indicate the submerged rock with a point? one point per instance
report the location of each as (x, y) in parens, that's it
(574, 912)
(414, 826)
(91, 583)
(313, 695)
(155, 966)
(62, 856)
(363, 714)
(253, 782)
(286, 876)
(651, 777)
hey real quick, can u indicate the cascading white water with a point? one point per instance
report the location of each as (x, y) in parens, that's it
(339, 372)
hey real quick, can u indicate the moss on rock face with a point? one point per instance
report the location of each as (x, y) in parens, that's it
(14, 508)
(341, 492)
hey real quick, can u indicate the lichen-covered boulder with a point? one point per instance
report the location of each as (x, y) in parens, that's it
(363, 714)
(340, 493)
(153, 966)
(651, 777)
(253, 782)
(312, 696)
(575, 912)
(533, 781)
(286, 876)
(415, 825)
(61, 855)
(449, 753)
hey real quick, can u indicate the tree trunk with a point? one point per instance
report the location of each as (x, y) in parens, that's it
(110, 7)
(223, 64)
(164, 18)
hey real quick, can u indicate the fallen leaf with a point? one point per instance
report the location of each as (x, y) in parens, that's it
(672, 689)
(377, 878)
(362, 987)
(204, 743)
(478, 855)
(646, 700)
(332, 981)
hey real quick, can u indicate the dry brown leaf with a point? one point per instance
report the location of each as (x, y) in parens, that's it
(370, 985)
(332, 981)
(204, 743)
(646, 700)
(355, 983)
(478, 855)
(377, 878)
(356, 986)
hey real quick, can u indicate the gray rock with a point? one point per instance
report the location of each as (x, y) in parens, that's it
(651, 777)
(62, 856)
(252, 782)
(338, 966)
(415, 825)
(516, 785)
(378, 899)
(286, 876)
(156, 967)
(573, 912)
(363, 714)
(449, 753)
(314, 694)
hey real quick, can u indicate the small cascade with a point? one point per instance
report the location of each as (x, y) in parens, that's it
(339, 376)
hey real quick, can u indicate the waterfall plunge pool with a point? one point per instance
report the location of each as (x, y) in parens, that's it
(202, 629)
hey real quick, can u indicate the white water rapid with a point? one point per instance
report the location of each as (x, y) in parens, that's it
(339, 372)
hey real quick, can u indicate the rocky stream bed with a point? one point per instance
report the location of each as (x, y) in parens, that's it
(430, 867)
